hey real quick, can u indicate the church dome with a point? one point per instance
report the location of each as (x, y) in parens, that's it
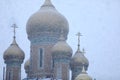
(14, 53)
(62, 48)
(47, 21)
(83, 76)
(79, 59)
(27, 66)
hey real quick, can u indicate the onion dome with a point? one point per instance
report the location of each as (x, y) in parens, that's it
(27, 66)
(83, 75)
(47, 21)
(78, 59)
(61, 48)
(14, 52)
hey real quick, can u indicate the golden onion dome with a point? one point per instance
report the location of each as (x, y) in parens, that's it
(14, 52)
(47, 21)
(78, 59)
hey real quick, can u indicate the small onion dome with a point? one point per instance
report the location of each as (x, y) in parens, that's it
(61, 48)
(78, 59)
(13, 53)
(47, 21)
(83, 75)
(27, 66)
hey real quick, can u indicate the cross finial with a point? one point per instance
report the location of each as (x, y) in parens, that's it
(14, 26)
(83, 51)
(83, 69)
(78, 34)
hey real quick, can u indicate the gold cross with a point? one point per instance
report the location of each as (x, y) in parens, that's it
(14, 29)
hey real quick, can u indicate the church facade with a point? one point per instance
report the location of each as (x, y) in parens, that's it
(50, 55)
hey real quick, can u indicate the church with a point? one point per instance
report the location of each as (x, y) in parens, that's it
(51, 57)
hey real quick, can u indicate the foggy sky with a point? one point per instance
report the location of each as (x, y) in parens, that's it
(97, 20)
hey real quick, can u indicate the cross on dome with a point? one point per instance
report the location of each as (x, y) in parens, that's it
(14, 26)
(78, 34)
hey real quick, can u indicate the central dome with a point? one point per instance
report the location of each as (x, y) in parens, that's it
(47, 21)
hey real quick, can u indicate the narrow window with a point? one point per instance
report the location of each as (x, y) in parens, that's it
(10, 75)
(41, 57)
(53, 63)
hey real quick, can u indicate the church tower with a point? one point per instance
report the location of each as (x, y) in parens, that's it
(61, 54)
(13, 57)
(44, 30)
(78, 60)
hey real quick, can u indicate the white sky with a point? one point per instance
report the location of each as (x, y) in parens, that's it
(97, 20)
